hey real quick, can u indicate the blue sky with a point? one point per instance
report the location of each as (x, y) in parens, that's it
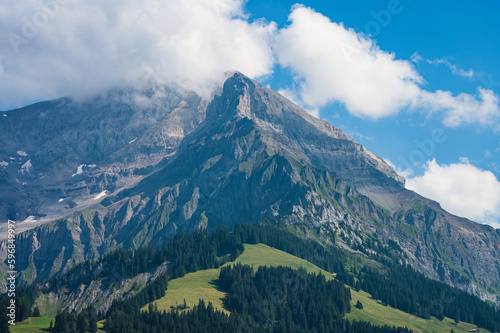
(416, 82)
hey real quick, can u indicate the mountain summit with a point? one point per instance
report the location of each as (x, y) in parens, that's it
(249, 155)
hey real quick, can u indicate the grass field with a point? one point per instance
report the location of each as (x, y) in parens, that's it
(378, 314)
(32, 324)
(38, 324)
(202, 285)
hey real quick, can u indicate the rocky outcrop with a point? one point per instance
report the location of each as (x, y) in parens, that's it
(73, 295)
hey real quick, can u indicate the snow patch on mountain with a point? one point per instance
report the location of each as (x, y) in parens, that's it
(100, 195)
(26, 167)
(79, 170)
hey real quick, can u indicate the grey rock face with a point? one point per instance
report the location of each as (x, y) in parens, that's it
(75, 295)
(249, 155)
(57, 156)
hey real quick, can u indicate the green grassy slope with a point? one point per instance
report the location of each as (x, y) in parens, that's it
(38, 325)
(202, 284)
(32, 324)
(378, 314)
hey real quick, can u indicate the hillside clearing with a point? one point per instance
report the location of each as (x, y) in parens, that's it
(202, 285)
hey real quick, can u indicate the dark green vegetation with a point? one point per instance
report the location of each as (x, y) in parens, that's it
(23, 309)
(203, 285)
(85, 321)
(275, 299)
(248, 293)
(290, 298)
(403, 288)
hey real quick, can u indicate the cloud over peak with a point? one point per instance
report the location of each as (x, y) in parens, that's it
(55, 48)
(65, 47)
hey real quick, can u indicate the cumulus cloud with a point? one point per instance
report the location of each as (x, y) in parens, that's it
(335, 64)
(463, 108)
(462, 189)
(61, 47)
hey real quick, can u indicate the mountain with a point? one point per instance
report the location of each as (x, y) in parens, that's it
(59, 155)
(174, 162)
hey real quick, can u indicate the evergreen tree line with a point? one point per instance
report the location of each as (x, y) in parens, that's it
(271, 300)
(24, 299)
(83, 322)
(4, 319)
(190, 252)
(197, 250)
(399, 286)
(151, 292)
(292, 298)
(330, 258)
(403, 288)
(186, 253)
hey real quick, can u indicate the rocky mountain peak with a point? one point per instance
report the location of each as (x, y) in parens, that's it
(310, 140)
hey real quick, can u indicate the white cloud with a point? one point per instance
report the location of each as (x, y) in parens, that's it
(463, 108)
(452, 67)
(336, 64)
(291, 95)
(416, 58)
(87, 46)
(54, 48)
(462, 189)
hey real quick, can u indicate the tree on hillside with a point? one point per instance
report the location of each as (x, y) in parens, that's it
(36, 312)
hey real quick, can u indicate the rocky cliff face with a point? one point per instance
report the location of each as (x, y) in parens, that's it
(257, 155)
(58, 156)
(73, 294)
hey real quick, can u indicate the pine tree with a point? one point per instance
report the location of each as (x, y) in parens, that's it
(82, 323)
(92, 319)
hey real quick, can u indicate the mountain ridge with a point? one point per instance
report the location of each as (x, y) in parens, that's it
(254, 155)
